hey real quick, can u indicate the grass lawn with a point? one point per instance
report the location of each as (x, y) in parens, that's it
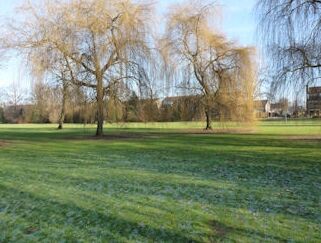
(160, 183)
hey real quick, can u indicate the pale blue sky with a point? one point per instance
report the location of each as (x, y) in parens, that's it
(237, 18)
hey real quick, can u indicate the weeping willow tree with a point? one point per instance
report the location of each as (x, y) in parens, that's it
(100, 43)
(236, 93)
(290, 31)
(205, 63)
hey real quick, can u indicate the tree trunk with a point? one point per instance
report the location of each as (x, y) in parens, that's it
(60, 125)
(100, 107)
(208, 119)
(63, 106)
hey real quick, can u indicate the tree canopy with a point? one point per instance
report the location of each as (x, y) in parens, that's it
(97, 44)
(206, 61)
(290, 31)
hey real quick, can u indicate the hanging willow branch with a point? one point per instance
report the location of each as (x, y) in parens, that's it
(290, 31)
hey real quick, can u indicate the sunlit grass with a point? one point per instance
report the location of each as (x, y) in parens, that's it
(157, 182)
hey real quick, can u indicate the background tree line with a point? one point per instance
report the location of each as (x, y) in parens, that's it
(98, 60)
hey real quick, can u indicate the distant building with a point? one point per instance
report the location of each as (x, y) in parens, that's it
(314, 101)
(182, 108)
(169, 101)
(262, 108)
(141, 110)
(280, 108)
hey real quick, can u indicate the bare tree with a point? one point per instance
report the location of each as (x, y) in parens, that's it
(206, 62)
(15, 95)
(102, 42)
(290, 31)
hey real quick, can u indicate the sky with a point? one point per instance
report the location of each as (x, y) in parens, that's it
(238, 23)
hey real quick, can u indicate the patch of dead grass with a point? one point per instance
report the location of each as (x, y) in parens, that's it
(3, 143)
(305, 138)
(220, 230)
(156, 135)
(115, 137)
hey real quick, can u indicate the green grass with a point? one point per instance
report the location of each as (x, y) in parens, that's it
(159, 182)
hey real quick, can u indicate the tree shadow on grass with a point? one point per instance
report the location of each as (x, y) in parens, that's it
(258, 170)
(38, 212)
(222, 232)
(235, 189)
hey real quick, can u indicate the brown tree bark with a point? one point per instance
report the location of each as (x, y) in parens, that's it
(63, 106)
(208, 119)
(100, 106)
